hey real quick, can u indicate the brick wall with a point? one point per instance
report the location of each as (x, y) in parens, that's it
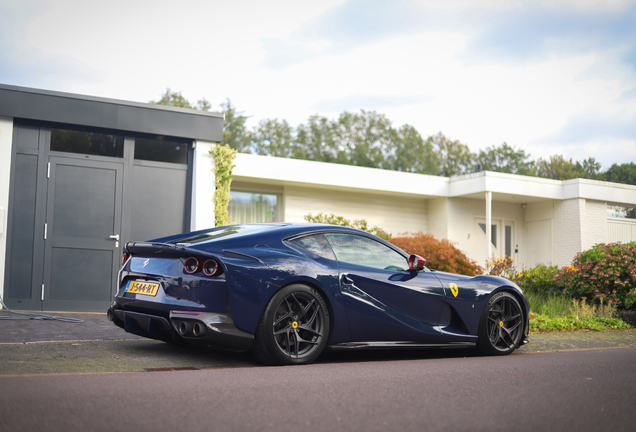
(569, 219)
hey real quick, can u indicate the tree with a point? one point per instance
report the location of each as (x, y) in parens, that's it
(623, 173)
(413, 153)
(364, 139)
(176, 99)
(590, 169)
(455, 157)
(235, 133)
(318, 140)
(505, 159)
(274, 138)
(557, 168)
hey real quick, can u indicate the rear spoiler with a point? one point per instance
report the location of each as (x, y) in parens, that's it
(164, 249)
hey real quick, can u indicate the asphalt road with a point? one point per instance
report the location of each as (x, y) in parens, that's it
(575, 390)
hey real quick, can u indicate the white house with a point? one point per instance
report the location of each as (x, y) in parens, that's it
(534, 220)
(80, 176)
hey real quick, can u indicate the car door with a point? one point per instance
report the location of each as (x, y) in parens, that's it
(384, 300)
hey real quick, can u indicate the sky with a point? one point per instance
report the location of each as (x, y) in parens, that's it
(548, 77)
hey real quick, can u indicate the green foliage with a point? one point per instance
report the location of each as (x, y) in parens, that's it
(590, 169)
(505, 159)
(223, 165)
(414, 154)
(544, 323)
(624, 173)
(369, 139)
(440, 255)
(274, 138)
(502, 266)
(455, 157)
(235, 133)
(539, 280)
(176, 99)
(557, 168)
(606, 273)
(553, 305)
(360, 224)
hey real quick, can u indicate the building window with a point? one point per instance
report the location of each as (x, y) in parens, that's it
(493, 232)
(160, 149)
(91, 143)
(621, 212)
(248, 207)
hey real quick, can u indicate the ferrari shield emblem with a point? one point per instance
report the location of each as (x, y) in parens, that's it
(454, 289)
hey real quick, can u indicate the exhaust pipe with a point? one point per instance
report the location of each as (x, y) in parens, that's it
(110, 315)
(184, 328)
(198, 329)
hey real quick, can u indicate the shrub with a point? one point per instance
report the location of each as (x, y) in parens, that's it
(503, 266)
(360, 224)
(539, 280)
(606, 273)
(628, 316)
(440, 254)
(542, 323)
(223, 165)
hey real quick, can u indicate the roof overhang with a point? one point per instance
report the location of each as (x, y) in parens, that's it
(510, 188)
(58, 107)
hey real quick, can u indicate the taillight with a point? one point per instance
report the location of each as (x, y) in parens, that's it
(124, 258)
(210, 267)
(191, 265)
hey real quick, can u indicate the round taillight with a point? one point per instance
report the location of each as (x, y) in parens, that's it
(124, 258)
(210, 267)
(191, 265)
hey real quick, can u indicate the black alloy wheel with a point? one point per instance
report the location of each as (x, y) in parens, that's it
(501, 327)
(294, 327)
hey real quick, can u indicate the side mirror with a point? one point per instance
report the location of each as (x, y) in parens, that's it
(416, 262)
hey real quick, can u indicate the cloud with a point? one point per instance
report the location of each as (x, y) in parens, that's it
(356, 102)
(595, 126)
(520, 32)
(535, 31)
(608, 138)
(353, 24)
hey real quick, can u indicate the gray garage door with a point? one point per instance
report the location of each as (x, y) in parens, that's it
(77, 197)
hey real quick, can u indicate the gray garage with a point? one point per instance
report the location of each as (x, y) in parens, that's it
(86, 176)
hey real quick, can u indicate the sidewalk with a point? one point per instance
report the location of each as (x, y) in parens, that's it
(97, 345)
(95, 327)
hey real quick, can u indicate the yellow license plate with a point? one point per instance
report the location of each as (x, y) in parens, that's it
(140, 287)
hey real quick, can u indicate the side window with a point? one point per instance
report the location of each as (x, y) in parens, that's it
(316, 244)
(354, 249)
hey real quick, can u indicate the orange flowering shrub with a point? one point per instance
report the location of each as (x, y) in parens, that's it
(440, 255)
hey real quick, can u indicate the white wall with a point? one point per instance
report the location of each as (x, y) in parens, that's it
(569, 219)
(391, 213)
(464, 230)
(6, 141)
(203, 187)
(538, 233)
(594, 226)
(438, 217)
(621, 230)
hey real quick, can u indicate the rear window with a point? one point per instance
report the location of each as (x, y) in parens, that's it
(317, 244)
(235, 231)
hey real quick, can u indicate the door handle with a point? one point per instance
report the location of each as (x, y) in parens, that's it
(115, 237)
(347, 280)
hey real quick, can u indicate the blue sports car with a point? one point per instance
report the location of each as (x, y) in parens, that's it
(288, 291)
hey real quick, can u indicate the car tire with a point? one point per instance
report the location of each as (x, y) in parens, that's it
(501, 326)
(293, 328)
